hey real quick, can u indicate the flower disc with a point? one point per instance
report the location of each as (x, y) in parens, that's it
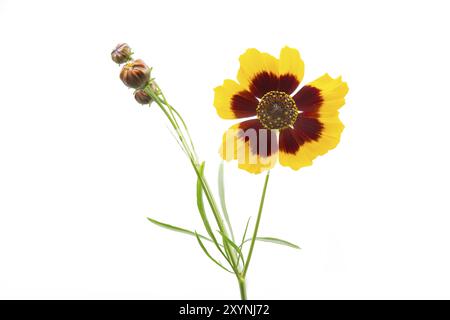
(277, 110)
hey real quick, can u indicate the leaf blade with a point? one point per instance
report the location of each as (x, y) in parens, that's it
(201, 209)
(208, 254)
(202, 212)
(176, 229)
(221, 185)
(245, 233)
(275, 241)
(234, 246)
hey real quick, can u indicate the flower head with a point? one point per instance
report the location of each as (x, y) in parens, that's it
(135, 74)
(121, 54)
(288, 125)
(142, 96)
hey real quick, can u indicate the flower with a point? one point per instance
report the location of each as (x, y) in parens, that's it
(142, 97)
(121, 54)
(135, 74)
(288, 125)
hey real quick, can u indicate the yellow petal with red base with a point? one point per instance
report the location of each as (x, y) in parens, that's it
(254, 147)
(291, 69)
(324, 95)
(318, 128)
(232, 101)
(258, 72)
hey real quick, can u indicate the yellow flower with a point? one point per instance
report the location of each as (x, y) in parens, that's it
(288, 125)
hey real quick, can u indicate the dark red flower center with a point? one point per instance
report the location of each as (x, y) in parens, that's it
(277, 110)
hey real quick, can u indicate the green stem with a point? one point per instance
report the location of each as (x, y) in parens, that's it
(219, 220)
(242, 288)
(184, 125)
(217, 216)
(258, 220)
(189, 149)
(187, 145)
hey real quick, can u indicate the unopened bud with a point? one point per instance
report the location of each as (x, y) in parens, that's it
(135, 74)
(121, 54)
(142, 97)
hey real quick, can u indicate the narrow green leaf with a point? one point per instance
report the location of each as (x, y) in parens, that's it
(201, 208)
(276, 241)
(207, 253)
(177, 229)
(245, 233)
(222, 200)
(234, 246)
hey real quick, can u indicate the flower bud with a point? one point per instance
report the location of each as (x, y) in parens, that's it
(135, 74)
(142, 97)
(121, 54)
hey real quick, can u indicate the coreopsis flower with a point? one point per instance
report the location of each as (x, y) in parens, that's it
(287, 125)
(121, 53)
(135, 74)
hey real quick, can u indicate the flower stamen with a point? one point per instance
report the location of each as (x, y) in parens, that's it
(277, 110)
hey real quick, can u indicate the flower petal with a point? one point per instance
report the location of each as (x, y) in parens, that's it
(324, 95)
(232, 101)
(255, 147)
(258, 72)
(318, 128)
(289, 147)
(291, 70)
(310, 138)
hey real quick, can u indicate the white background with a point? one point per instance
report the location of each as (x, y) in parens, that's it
(82, 164)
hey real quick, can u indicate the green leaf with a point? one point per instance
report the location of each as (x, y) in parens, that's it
(235, 247)
(201, 208)
(245, 232)
(276, 241)
(177, 229)
(222, 199)
(207, 253)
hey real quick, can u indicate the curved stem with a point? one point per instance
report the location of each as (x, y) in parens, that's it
(190, 151)
(187, 145)
(258, 220)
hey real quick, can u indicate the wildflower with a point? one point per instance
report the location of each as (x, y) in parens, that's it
(289, 126)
